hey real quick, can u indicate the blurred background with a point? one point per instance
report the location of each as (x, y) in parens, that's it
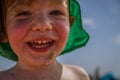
(101, 19)
(101, 56)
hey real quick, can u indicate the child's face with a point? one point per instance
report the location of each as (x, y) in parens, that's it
(38, 30)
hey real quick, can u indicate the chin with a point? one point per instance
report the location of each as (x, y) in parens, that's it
(41, 61)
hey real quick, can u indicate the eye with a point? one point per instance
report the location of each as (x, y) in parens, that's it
(24, 13)
(56, 12)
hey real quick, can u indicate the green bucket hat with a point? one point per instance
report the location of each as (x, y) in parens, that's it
(78, 37)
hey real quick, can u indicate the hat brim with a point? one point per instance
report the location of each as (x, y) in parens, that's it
(78, 36)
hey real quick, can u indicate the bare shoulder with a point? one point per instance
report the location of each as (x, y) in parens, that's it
(76, 72)
(2, 75)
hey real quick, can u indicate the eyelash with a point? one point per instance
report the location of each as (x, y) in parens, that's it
(24, 13)
(56, 12)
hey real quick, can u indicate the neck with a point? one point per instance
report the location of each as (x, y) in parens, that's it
(47, 72)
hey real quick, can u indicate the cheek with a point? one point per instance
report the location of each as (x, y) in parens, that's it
(63, 33)
(16, 34)
(18, 26)
(63, 30)
(16, 30)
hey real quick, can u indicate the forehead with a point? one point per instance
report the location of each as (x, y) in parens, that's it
(29, 2)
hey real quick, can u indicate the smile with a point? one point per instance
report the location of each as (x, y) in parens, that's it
(40, 45)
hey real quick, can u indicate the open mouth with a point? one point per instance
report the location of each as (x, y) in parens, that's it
(40, 44)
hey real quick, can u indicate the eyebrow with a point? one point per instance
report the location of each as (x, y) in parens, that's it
(28, 2)
(20, 2)
(59, 1)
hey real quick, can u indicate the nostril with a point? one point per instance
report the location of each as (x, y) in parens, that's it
(50, 28)
(35, 29)
(43, 28)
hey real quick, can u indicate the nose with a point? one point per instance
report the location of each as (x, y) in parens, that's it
(41, 24)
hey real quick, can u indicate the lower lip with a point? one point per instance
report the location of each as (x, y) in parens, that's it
(41, 50)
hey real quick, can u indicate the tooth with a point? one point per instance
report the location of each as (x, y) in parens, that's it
(31, 41)
(39, 42)
(39, 46)
(35, 41)
(47, 41)
(44, 41)
(50, 40)
(47, 45)
(34, 46)
(44, 46)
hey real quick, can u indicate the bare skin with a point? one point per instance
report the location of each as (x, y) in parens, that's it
(56, 72)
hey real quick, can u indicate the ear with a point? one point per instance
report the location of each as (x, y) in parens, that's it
(72, 19)
(4, 38)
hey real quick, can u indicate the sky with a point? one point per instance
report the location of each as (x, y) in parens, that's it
(101, 19)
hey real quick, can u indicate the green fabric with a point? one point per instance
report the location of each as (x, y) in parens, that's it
(77, 38)
(7, 52)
